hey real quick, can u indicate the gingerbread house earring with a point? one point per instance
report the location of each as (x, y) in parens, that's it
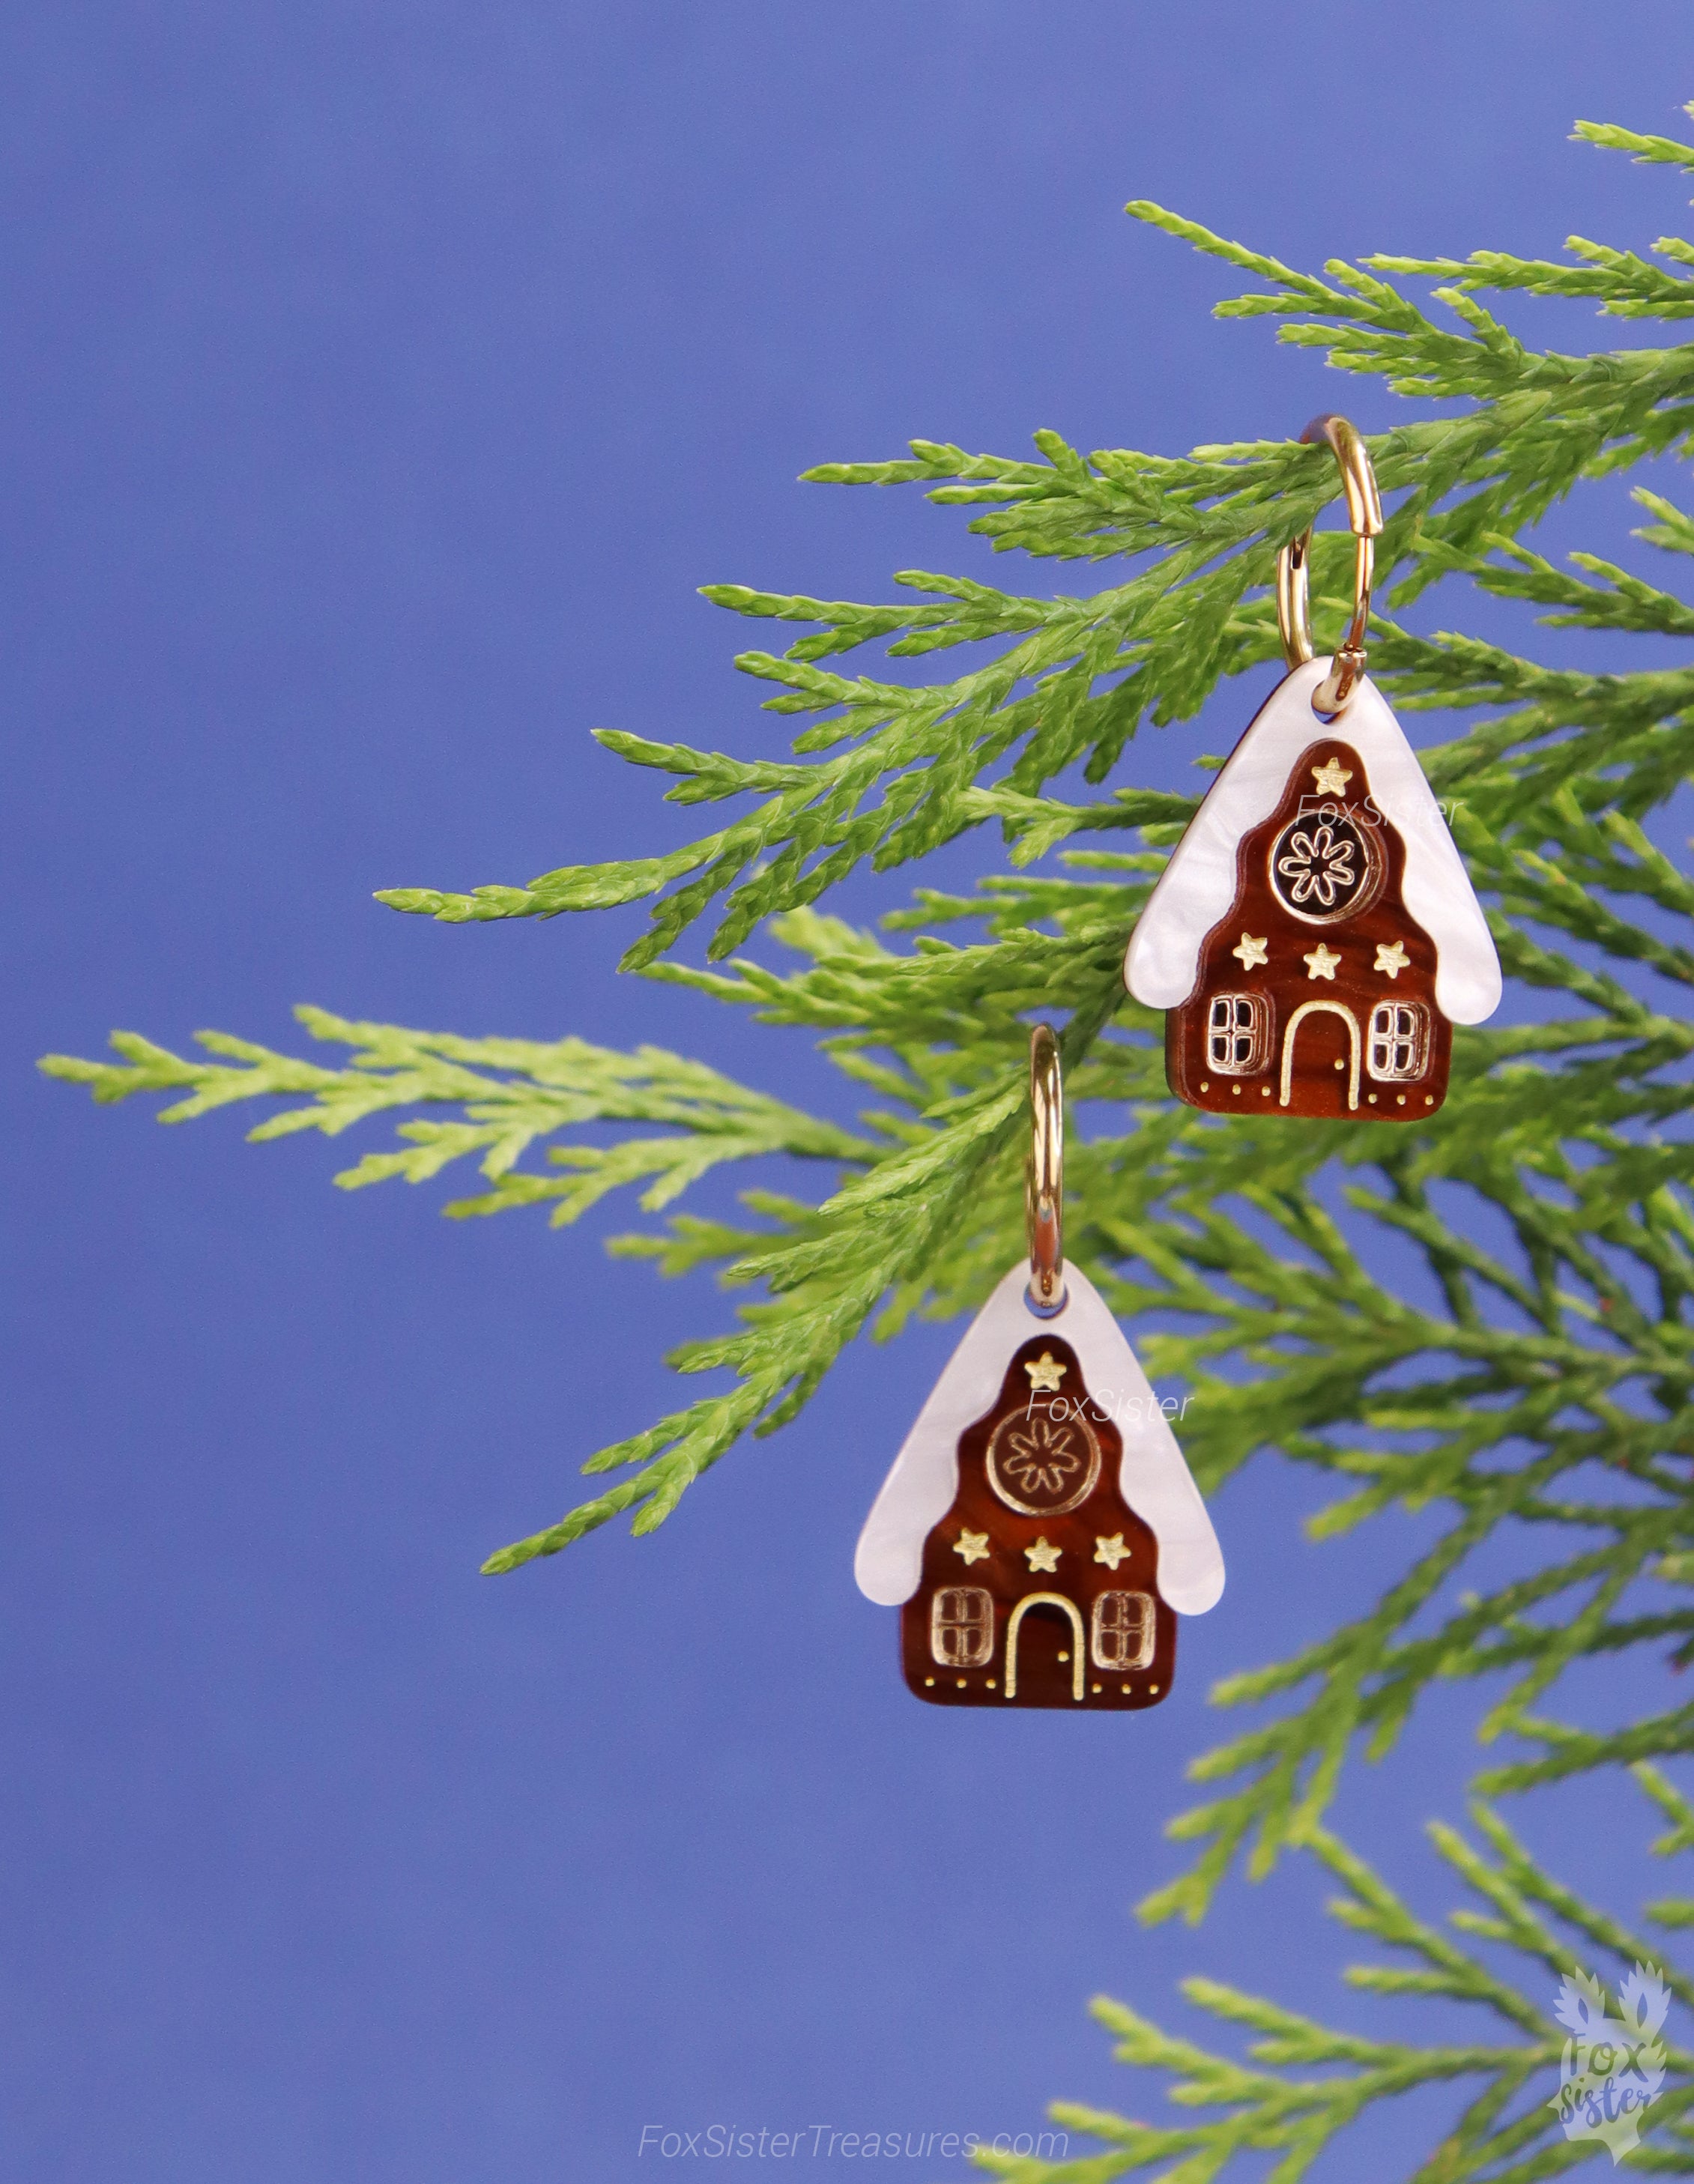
(1039, 1531)
(1315, 937)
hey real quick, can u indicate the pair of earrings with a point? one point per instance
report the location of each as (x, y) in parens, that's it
(1313, 939)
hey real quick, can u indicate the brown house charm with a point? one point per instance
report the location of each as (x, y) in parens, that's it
(1040, 1529)
(1315, 937)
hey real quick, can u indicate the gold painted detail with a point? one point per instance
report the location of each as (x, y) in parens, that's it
(1042, 1465)
(1125, 1627)
(1045, 1458)
(1327, 865)
(1354, 1046)
(1321, 963)
(1042, 1557)
(1046, 1373)
(1390, 958)
(1332, 778)
(961, 1627)
(1238, 1033)
(1318, 866)
(1111, 1552)
(972, 1547)
(1078, 1671)
(1399, 1041)
(1251, 951)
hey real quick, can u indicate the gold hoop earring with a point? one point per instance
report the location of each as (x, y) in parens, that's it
(1044, 1175)
(1293, 594)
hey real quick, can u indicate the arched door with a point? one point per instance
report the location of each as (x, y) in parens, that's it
(1354, 1045)
(1079, 1640)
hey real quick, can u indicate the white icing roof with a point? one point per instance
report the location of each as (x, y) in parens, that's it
(1198, 885)
(1154, 1481)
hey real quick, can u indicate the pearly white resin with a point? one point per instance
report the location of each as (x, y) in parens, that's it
(1198, 885)
(1153, 1478)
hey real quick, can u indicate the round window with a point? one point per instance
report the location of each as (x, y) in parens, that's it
(1042, 1465)
(1326, 866)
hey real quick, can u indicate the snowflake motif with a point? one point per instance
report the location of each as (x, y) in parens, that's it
(1042, 1456)
(1318, 865)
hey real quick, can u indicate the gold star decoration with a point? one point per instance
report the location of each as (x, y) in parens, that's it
(1332, 778)
(1321, 964)
(1111, 1552)
(1251, 951)
(1044, 1373)
(1391, 957)
(1042, 1557)
(972, 1547)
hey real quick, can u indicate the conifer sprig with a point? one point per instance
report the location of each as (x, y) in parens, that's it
(1527, 1365)
(1555, 1351)
(511, 1094)
(1074, 677)
(1305, 2083)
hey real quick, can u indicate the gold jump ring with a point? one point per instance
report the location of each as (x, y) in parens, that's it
(1293, 597)
(1043, 1174)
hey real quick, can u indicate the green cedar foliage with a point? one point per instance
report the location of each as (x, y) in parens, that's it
(1308, 2081)
(1532, 1370)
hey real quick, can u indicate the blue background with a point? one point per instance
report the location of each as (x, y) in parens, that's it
(379, 384)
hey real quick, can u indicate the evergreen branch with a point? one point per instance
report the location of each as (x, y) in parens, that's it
(1530, 1366)
(1647, 151)
(1275, 2103)
(1076, 677)
(511, 1094)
